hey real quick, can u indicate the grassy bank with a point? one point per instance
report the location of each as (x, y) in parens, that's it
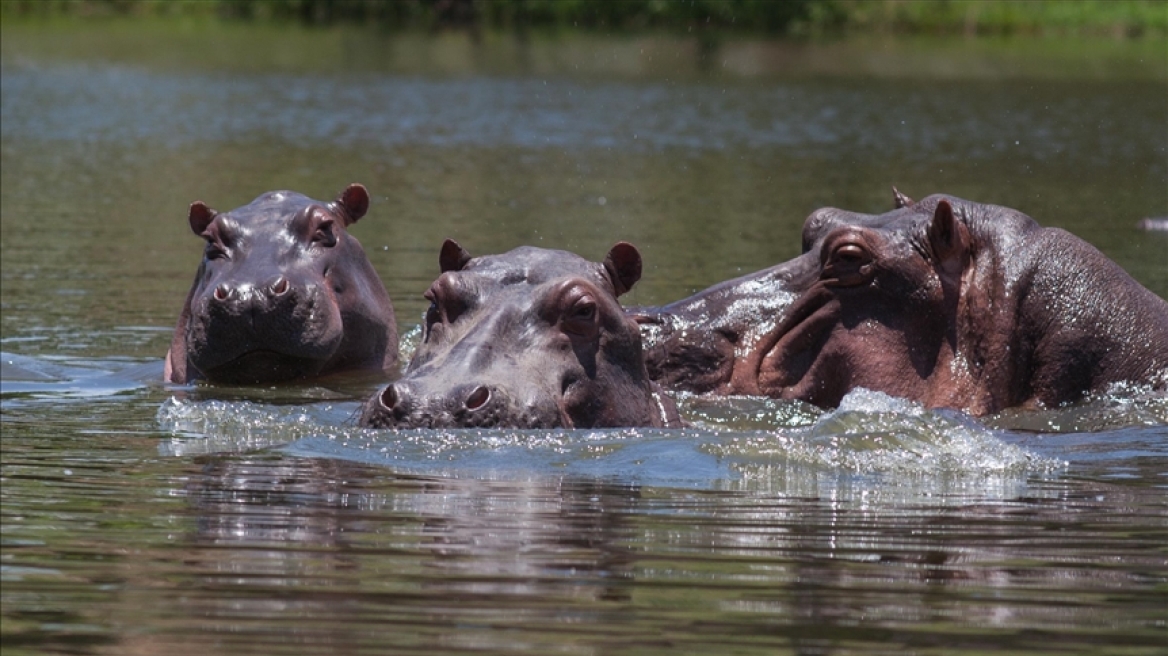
(195, 44)
(1123, 18)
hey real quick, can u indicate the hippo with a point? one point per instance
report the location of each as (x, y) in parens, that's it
(946, 302)
(283, 293)
(532, 338)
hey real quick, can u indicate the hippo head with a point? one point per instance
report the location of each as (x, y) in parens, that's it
(943, 301)
(283, 292)
(955, 304)
(532, 338)
(875, 302)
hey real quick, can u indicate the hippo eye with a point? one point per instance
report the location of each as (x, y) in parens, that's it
(432, 313)
(581, 318)
(849, 254)
(214, 251)
(848, 264)
(583, 312)
(325, 234)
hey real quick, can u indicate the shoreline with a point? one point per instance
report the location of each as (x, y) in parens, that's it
(714, 18)
(213, 45)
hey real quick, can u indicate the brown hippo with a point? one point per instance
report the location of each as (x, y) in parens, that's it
(532, 338)
(944, 301)
(284, 292)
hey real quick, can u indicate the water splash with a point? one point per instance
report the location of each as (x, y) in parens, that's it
(875, 432)
(746, 412)
(199, 427)
(871, 440)
(1120, 405)
(875, 447)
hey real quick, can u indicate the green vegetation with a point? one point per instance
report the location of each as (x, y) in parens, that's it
(774, 17)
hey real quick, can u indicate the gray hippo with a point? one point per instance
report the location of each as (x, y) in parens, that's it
(284, 292)
(532, 338)
(944, 301)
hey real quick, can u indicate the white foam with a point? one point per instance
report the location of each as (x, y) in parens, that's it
(888, 440)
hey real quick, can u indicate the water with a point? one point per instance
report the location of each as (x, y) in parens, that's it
(139, 518)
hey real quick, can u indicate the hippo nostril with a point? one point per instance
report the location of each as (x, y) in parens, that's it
(280, 287)
(222, 293)
(388, 397)
(478, 398)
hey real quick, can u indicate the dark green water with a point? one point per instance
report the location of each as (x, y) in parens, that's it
(142, 519)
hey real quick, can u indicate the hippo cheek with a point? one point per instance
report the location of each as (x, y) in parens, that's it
(579, 402)
(600, 404)
(604, 388)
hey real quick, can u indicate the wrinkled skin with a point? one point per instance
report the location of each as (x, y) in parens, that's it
(532, 338)
(945, 302)
(284, 292)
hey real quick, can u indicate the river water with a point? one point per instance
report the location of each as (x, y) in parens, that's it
(139, 518)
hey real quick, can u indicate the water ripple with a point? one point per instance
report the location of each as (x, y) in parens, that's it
(871, 435)
(116, 104)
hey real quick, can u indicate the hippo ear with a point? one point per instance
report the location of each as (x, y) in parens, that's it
(899, 200)
(453, 257)
(949, 238)
(353, 203)
(623, 265)
(200, 217)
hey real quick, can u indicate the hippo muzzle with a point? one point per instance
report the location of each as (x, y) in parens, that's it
(474, 405)
(244, 333)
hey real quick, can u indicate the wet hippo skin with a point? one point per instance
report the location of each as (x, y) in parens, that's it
(284, 292)
(944, 301)
(532, 338)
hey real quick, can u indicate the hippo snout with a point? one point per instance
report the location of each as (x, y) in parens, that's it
(290, 323)
(472, 405)
(466, 398)
(268, 301)
(248, 293)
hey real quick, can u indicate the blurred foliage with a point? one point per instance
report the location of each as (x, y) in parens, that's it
(1117, 17)
(787, 17)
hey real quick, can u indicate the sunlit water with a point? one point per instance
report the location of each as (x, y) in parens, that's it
(141, 518)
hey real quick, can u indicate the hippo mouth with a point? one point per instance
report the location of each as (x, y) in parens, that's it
(785, 356)
(263, 366)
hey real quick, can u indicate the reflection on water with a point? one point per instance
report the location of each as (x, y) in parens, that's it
(141, 518)
(364, 560)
